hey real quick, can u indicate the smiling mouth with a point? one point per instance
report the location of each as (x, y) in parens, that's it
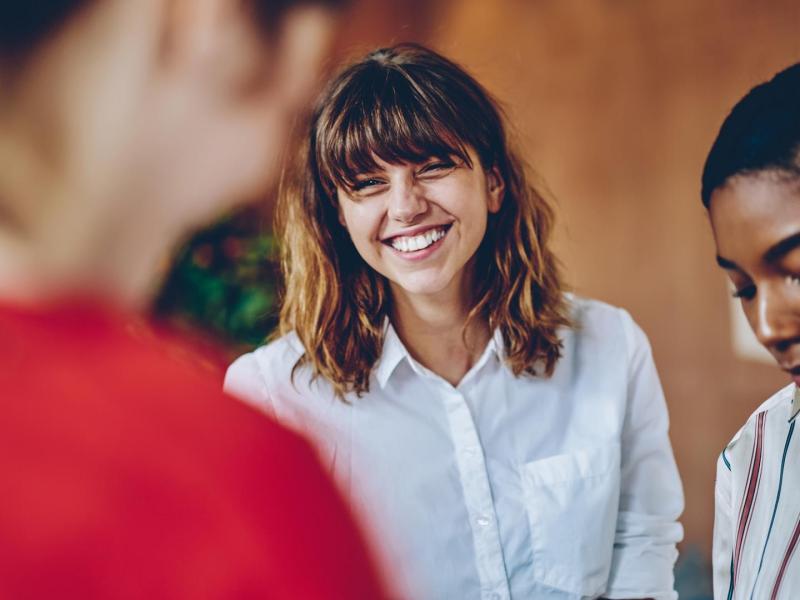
(415, 243)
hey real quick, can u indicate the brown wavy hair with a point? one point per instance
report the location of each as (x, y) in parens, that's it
(406, 104)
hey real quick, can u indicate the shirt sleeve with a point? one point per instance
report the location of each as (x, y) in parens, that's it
(245, 381)
(722, 553)
(651, 495)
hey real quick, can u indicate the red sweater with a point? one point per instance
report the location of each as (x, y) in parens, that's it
(126, 473)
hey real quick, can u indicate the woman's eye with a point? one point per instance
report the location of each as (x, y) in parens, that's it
(747, 292)
(365, 184)
(437, 167)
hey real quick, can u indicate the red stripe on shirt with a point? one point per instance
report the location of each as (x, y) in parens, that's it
(787, 556)
(750, 493)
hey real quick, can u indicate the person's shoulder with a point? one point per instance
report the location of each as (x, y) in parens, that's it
(594, 321)
(283, 351)
(279, 357)
(774, 409)
(155, 376)
(588, 311)
(778, 402)
(251, 374)
(182, 381)
(274, 379)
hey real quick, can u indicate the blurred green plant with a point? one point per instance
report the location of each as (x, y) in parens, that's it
(224, 282)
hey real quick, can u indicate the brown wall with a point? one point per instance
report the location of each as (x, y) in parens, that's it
(616, 104)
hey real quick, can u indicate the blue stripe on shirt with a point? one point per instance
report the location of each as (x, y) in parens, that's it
(775, 509)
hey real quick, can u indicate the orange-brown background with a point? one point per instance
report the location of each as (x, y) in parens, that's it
(615, 104)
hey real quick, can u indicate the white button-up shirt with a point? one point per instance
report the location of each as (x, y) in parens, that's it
(525, 487)
(757, 517)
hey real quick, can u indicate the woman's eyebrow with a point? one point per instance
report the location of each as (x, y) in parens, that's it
(780, 249)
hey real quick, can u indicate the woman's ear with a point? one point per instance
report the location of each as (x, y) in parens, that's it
(496, 187)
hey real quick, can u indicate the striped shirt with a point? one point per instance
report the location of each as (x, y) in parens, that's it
(757, 520)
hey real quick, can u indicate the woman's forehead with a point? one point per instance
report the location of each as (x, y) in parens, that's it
(751, 213)
(394, 133)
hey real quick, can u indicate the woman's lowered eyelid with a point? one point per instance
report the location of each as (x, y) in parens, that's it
(435, 167)
(743, 286)
(744, 293)
(367, 182)
(748, 292)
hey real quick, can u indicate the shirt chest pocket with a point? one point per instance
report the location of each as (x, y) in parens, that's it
(572, 502)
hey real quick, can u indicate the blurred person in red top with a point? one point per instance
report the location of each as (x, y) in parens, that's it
(124, 472)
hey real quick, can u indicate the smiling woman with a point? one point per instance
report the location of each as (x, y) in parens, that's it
(419, 224)
(394, 131)
(507, 438)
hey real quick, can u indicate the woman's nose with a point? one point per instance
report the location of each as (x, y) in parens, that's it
(776, 322)
(407, 203)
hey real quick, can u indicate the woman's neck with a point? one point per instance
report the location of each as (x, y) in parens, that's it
(62, 239)
(53, 264)
(433, 330)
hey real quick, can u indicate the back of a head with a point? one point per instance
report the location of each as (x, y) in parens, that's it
(24, 25)
(160, 116)
(133, 475)
(761, 133)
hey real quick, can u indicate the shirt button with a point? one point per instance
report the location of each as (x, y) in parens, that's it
(482, 521)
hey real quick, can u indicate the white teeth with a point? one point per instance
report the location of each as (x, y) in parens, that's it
(417, 242)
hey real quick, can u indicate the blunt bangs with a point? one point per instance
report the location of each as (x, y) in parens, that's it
(384, 111)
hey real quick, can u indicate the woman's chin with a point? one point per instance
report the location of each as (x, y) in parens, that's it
(420, 286)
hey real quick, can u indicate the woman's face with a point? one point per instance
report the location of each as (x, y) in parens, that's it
(419, 224)
(756, 223)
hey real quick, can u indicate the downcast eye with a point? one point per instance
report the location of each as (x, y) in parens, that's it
(748, 292)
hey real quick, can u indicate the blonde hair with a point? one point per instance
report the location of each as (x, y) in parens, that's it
(406, 104)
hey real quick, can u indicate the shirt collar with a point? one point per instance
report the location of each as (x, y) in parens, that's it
(394, 351)
(795, 403)
(498, 344)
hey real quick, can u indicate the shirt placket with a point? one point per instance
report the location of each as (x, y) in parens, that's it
(478, 497)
